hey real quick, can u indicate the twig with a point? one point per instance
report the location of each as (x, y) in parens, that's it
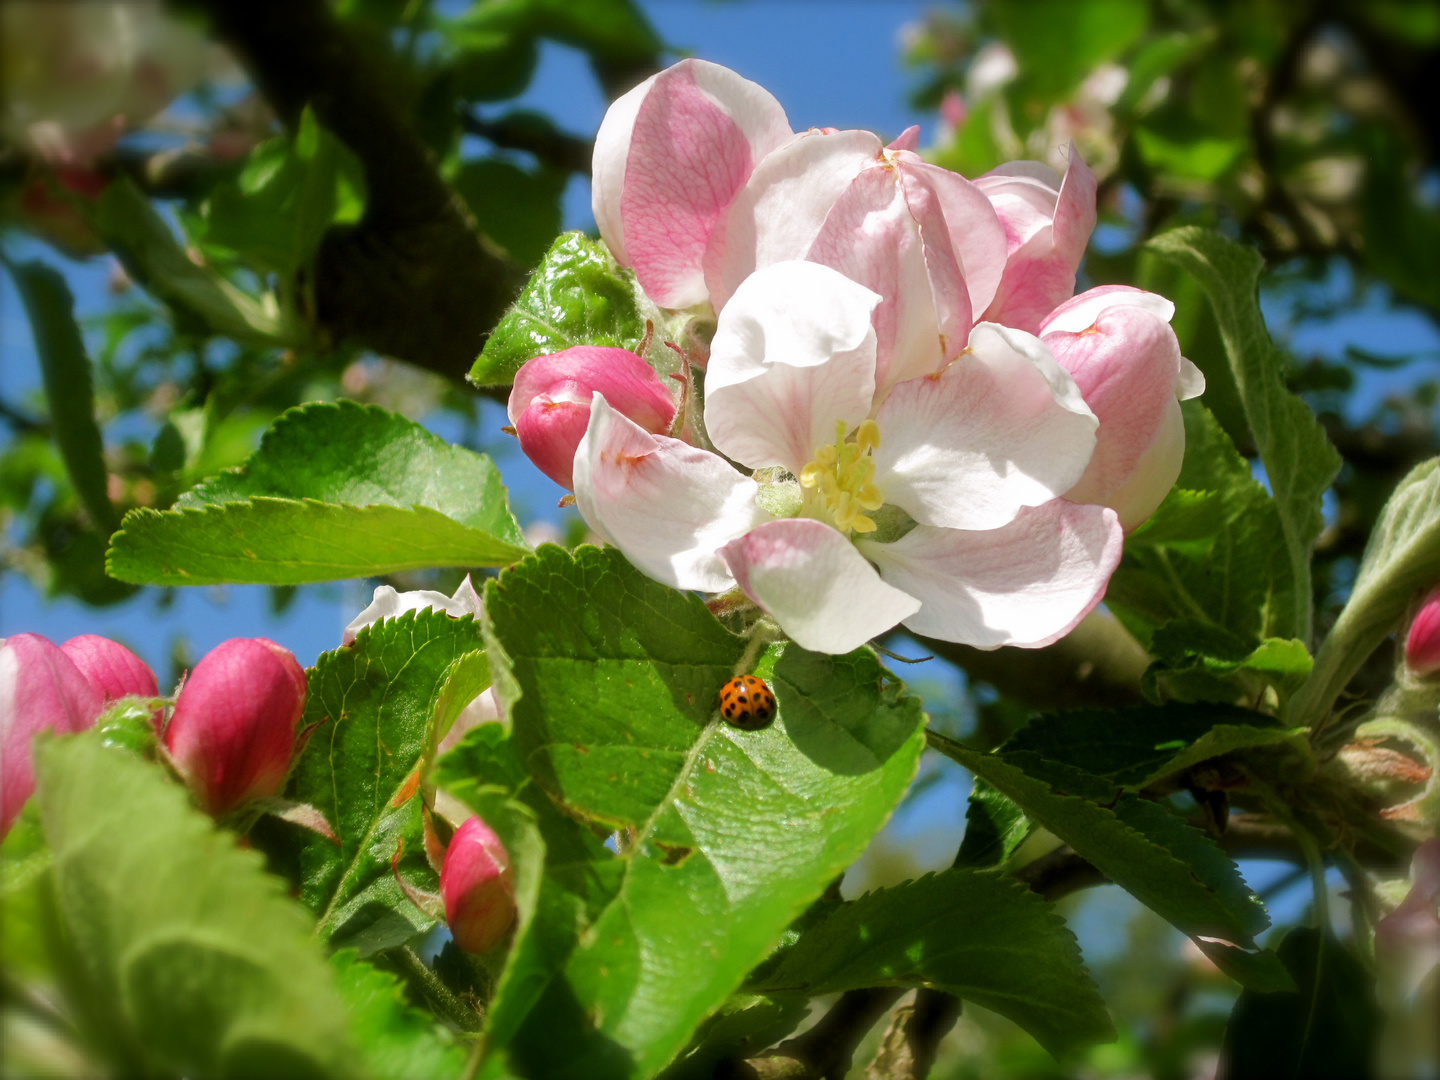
(827, 1049)
(534, 134)
(435, 991)
(907, 1049)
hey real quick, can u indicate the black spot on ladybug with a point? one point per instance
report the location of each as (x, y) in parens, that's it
(747, 703)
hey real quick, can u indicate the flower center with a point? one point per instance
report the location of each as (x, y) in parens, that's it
(839, 482)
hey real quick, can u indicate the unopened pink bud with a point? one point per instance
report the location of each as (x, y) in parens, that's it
(1422, 643)
(233, 730)
(111, 668)
(550, 402)
(476, 886)
(40, 689)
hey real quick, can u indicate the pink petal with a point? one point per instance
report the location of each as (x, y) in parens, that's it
(697, 135)
(1080, 312)
(1127, 365)
(976, 234)
(1001, 428)
(909, 139)
(40, 689)
(667, 505)
(1027, 584)
(111, 668)
(871, 237)
(776, 216)
(793, 353)
(1040, 270)
(814, 583)
(607, 166)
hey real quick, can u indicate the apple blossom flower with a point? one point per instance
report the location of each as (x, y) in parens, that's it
(78, 74)
(386, 603)
(932, 501)
(476, 886)
(550, 402)
(1422, 642)
(232, 734)
(111, 668)
(1047, 221)
(924, 238)
(669, 157)
(1116, 342)
(41, 689)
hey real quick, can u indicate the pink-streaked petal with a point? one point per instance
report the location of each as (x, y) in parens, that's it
(976, 234)
(776, 216)
(41, 689)
(871, 237)
(793, 353)
(909, 139)
(1080, 312)
(698, 134)
(1040, 270)
(1027, 584)
(1001, 428)
(1127, 365)
(667, 505)
(111, 668)
(607, 167)
(814, 583)
(948, 291)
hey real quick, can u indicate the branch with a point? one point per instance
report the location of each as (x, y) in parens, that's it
(534, 134)
(1098, 663)
(907, 1049)
(827, 1049)
(414, 280)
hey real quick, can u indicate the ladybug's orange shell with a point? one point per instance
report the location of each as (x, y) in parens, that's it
(746, 703)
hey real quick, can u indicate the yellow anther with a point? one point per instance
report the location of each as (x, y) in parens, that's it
(868, 437)
(839, 483)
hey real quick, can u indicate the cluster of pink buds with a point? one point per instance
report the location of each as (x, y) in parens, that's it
(231, 735)
(63, 688)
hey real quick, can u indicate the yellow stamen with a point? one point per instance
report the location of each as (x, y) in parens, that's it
(839, 481)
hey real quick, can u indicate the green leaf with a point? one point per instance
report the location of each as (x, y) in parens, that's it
(1212, 553)
(334, 491)
(995, 827)
(1402, 560)
(1173, 869)
(24, 859)
(205, 968)
(519, 210)
(743, 1026)
(69, 391)
(1326, 1029)
(577, 296)
(1196, 661)
(151, 255)
(372, 704)
(291, 191)
(729, 834)
(396, 1040)
(982, 937)
(1298, 458)
(1260, 970)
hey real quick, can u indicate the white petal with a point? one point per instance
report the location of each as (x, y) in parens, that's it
(1003, 427)
(1027, 584)
(778, 213)
(667, 505)
(815, 584)
(607, 166)
(793, 353)
(388, 603)
(1081, 312)
(1192, 381)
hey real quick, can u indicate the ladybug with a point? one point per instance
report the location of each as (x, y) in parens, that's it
(747, 703)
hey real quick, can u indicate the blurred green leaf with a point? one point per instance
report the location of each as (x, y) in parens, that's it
(577, 296)
(732, 833)
(741, 1028)
(982, 937)
(1298, 458)
(69, 389)
(518, 209)
(291, 191)
(396, 1041)
(1326, 1030)
(205, 968)
(144, 243)
(1058, 42)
